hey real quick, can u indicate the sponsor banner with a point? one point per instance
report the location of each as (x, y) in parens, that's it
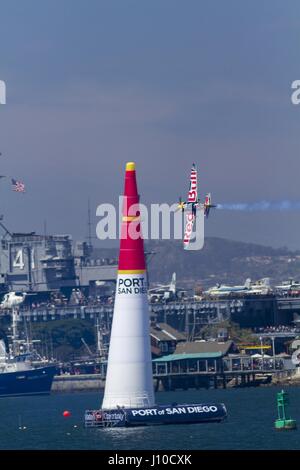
(132, 284)
(175, 410)
(165, 414)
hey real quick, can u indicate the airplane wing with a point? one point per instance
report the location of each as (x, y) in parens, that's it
(190, 219)
(193, 191)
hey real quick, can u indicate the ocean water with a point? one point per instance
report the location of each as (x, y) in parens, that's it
(250, 423)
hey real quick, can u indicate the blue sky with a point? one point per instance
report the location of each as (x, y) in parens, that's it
(92, 84)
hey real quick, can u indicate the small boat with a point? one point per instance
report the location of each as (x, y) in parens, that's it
(24, 374)
(22, 370)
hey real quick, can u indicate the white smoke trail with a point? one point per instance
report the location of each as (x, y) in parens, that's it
(261, 206)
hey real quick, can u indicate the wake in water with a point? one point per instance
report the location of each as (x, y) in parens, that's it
(261, 206)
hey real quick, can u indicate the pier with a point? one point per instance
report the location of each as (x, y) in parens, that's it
(185, 371)
(78, 383)
(191, 371)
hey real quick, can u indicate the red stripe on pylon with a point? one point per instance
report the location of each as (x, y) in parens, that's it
(131, 255)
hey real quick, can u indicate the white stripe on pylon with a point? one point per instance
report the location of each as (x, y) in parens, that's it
(129, 381)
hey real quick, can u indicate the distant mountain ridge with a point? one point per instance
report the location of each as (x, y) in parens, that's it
(220, 260)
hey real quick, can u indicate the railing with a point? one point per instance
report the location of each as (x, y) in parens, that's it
(226, 366)
(288, 303)
(200, 312)
(105, 418)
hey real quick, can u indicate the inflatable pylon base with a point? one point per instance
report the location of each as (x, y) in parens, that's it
(156, 415)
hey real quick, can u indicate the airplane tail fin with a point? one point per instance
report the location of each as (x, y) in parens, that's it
(207, 204)
(208, 199)
(173, 283)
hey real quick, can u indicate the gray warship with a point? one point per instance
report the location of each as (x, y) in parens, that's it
(41, 264)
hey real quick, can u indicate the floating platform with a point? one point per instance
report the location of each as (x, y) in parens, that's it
(157, 415)
(285, 424)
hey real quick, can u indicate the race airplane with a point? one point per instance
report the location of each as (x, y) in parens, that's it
(261, 287)
(163, 292)
(222, 290)
(191, 205)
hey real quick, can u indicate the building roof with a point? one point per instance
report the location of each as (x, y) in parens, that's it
(203, 347)
(169, 330)
(155, 351)
(164, 332)
(180, 357)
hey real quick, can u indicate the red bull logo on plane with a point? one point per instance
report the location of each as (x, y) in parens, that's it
(188, 228)
(192, 195)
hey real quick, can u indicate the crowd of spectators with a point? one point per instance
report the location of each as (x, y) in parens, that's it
(278, 329)
(77, 298)
(288, 293)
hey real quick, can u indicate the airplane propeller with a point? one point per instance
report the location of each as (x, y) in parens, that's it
(181, 204)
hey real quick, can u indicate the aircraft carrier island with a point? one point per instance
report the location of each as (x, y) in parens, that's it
(43, 263)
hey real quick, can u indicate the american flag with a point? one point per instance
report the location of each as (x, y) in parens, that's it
(18, 186)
